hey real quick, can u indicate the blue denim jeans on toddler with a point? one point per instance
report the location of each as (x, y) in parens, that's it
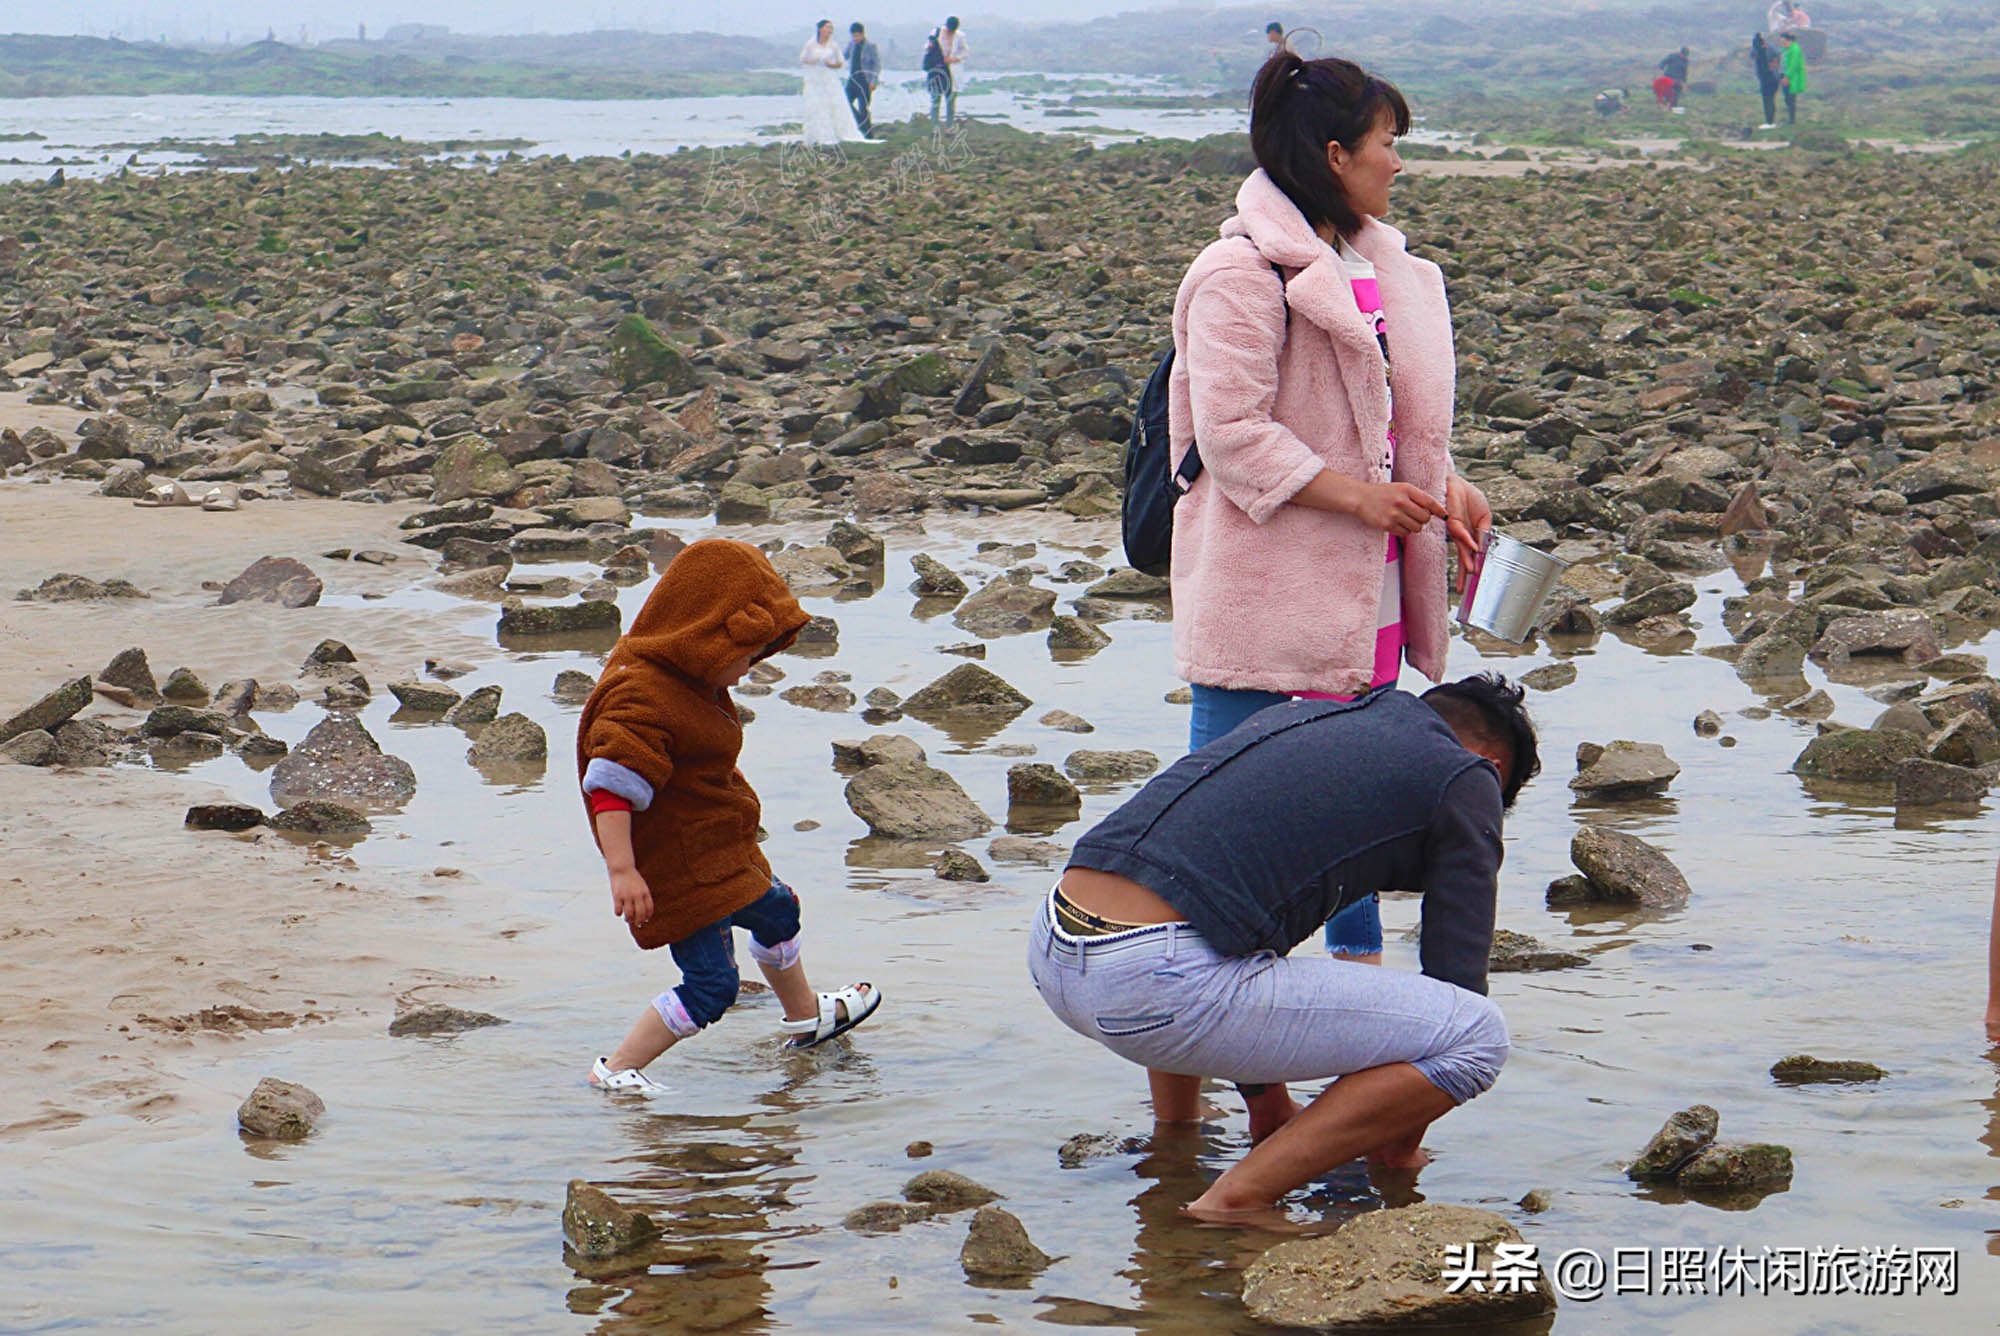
(707, 959)
(1355, 930)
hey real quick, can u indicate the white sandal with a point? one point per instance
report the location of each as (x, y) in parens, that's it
(860, 1006)
(630, 1081)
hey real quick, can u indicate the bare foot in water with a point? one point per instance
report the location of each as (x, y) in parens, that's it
(1269, 1111)
(1272, 1219)
(1405, 1154)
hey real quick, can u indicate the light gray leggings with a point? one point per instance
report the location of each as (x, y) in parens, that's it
(1160, 997)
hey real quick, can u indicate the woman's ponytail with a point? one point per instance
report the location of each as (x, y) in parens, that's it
(1297, 108)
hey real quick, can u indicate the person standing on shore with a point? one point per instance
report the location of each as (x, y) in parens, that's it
(864, 75)
(946, 47)
(1674, 69)
(1764, 64)
(1792, 59)
(1309, 555)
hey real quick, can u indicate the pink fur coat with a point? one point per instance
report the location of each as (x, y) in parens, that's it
(1278, 597)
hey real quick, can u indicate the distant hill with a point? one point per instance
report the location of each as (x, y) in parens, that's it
(592, 65)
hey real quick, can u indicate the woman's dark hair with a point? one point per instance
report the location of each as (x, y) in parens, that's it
(1488, 709)
(1297, 108)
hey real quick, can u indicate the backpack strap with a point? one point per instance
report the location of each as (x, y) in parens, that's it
(1190, 465)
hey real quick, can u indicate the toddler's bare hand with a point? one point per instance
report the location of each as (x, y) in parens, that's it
(631, 898)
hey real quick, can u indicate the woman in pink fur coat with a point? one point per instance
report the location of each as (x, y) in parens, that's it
(1314, 364)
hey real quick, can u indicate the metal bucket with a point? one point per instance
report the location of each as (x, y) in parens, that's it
(1505, 595)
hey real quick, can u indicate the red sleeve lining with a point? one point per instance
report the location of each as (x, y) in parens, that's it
(602, 801)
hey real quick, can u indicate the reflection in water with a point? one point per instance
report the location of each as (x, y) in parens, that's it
(1990, 1139)
(713, 1185)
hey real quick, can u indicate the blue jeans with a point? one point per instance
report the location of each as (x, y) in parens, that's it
(1355, 930)
(707, 959)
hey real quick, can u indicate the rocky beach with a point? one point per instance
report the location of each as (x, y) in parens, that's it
(326, 490)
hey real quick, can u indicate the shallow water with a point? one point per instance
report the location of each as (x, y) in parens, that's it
(429, 1199)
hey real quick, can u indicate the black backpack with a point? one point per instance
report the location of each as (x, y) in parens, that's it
(933, 55)
(1152, 485)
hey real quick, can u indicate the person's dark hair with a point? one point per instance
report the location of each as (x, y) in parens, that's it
(1297, 108)
(855, 28)
(1273, 27)
(1489, 710)
(823, 23)
(951, 24)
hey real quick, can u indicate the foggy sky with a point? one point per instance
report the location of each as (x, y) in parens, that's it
(210, 20)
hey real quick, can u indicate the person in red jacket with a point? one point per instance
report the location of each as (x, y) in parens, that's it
(676, 821)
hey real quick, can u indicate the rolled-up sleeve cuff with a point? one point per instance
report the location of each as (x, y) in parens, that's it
(602, 776)
(1267, 505)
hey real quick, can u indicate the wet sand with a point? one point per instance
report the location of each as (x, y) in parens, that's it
(428, 1200)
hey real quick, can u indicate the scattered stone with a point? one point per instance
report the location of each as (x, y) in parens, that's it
(1383, 1269)
(1625, 770)
(280, 1110)
(958, 865)
(1536, 1201)
(436, 1018)
(1737, 1166)
(1858, 755)
(596, 1226)
(1625, 869)
(997, 1247)
(51, 711)
(281, 581)
(573, 687)
(129, 669)
(78, 589)
(947, 1191)
(424, 697)
(1921, 782)
(1517, 953)
(1707, 724)
(481, 707)
(1680, 1139)
(1005, 608)
(886, 1217)
(1021, 849)
(856, 546)
(1550, 677)
(919, 1150)
(1804, 1069)
(1109, 767)
(968, 688)
(1074, 635)
(223, 816)
(935, 579)
(34, 747)
(525, 620)
(1903, 634)
(1128, 583)
(339, 761)
(1035, 784)
(829, 697)
(511, 738)
(913, 801)
(882, 749)
(315, 817)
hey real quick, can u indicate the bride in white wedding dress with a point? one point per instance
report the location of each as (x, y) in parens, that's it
(829, 120)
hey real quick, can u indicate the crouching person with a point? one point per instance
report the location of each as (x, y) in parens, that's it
(1165, 938)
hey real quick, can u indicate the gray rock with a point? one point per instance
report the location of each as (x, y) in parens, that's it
(1626, 770)
(1659, 601)
(129, 669)
(935, 579)
(436, 1019)
(1033, 784)
(280, 1110)
(482, 706)
(1969, 739)
(1005, 608)
(596, 1226)
(35, 747)
(1382, 1269)
(1804, 1069)
(471, 466)
(1858, 755)
(1679, 1140)
(315, 817)
(236, 698)
(339, 761)
(1925, 783)
(1904, 634)
(997, 1247)
(1084, 1147)
(829, 697)
(1065, 722)
(83, 742)
(1021, 849)
(1707, 724)
(1109, 767)
(1550, 677)
(68, 588)
(573, 687)
(223, 816)
(914, 802)
(1536, 1201)
(1518, 953)
(1771, 655)
(1625, 869)
(510, 738)
(593, 616)
(857, 547)
(424, 697)
(1128, 583)
(1760, 1165)
(968, 688)
(280, 581)
(51, 711)
(1074, 635)
(882, 749)
(958, 865)
(947, 1191)
(886, 1217)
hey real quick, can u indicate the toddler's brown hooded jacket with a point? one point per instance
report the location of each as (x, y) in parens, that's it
(667, 739)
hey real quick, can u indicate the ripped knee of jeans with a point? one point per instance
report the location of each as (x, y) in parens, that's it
(780, 957)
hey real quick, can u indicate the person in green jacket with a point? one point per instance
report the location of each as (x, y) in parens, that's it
(1793, 62)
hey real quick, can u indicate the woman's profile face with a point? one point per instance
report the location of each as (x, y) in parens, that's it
(1366, 172)
(824, 32)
